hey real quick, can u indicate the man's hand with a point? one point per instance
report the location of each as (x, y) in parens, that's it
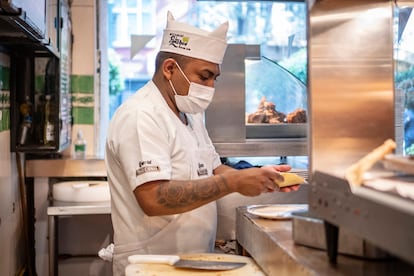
(283, 168)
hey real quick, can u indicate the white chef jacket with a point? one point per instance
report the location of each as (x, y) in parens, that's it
(146, 141)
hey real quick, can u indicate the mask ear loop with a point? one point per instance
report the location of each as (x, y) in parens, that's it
(181, 115)
(179, 68)
(172, 86)
(182, 72)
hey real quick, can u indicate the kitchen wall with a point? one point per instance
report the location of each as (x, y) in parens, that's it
(11, 230)
(83, 81)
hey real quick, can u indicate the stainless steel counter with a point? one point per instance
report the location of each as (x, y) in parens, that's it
(66, 167)
(270, 244)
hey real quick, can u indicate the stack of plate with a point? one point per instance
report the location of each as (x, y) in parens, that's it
(81, 191)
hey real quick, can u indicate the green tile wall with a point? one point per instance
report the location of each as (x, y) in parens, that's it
(4, 78)
(4, 98)
(83, 101)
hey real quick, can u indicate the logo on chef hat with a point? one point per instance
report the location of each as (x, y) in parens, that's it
(179, 41)
(187, 40)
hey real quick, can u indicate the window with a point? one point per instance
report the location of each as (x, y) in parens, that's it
(404, 76)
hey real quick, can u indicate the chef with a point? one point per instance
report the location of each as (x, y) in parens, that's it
(163, 171)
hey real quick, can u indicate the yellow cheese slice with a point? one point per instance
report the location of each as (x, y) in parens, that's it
(290, 179)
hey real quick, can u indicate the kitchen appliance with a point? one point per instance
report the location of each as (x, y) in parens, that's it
(42, 83)
(23, 20)
(385, 220)
(353, 110)
(40, 94)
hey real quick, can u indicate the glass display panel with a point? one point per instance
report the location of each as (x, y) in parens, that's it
(404, 76)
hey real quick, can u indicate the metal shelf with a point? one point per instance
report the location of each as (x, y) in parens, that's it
(263, 147)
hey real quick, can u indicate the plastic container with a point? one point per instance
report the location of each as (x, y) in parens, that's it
(80, 146)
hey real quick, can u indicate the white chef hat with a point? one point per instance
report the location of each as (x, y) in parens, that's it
(187, 40)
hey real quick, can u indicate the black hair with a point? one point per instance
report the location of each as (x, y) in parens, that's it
(161, 56)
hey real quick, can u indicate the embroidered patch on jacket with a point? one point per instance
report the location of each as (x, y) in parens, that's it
(146, 166)
(202, 170)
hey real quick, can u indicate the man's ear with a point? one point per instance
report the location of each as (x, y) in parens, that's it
(168, 67)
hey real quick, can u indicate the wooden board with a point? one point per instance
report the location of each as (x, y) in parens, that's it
(250, 268)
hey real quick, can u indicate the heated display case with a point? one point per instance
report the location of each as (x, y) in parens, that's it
(255, 86)
(276, 101)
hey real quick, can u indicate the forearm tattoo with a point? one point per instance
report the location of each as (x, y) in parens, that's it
(182, 193)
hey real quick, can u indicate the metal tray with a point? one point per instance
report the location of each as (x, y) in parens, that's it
(257, 131)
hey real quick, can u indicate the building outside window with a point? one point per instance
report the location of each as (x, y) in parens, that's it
(280, 29)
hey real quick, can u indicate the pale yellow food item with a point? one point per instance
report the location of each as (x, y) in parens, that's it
(290, 179)
(354, 174)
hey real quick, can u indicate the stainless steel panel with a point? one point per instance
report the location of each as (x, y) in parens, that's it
(264, 147)
(310, 231)
(225, 117)
(351, 101)
(263, 131)
(369, 214)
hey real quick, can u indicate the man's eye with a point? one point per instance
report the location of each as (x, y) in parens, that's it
(203, 78)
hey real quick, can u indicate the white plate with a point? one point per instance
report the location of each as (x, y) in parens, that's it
(399, 163)
(276, 211)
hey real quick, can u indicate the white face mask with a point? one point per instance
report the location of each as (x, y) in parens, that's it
(198, 99)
